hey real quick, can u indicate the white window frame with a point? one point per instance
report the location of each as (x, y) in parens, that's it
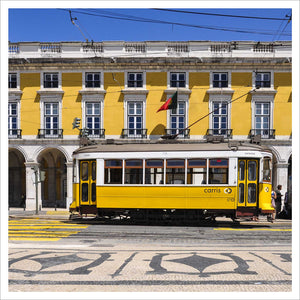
(91, 88)
(14, 96)
(17, 80)
(180, 98)
(177, 115)
(220, 98)
(59, 80)
(178, 72)
(48, 98)
(17, 103)
(84, 122)
(220, 116)
(260, 98)
(135, 115)
(271, 80)
(211, 79)
(51, 115)
(95, 98)
(134, 98)
(126, 74)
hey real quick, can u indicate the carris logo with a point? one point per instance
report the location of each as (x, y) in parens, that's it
(212, 191)
(228, 190)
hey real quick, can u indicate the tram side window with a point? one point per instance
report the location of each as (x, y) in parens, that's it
(218, 171)
(267, 169)
(196, 171)
(154, 171)
(113, 171)
(175, 171)
(134, 171)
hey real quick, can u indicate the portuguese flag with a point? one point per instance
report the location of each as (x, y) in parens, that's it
(171, 103)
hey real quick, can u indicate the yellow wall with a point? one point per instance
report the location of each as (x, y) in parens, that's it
(198, 102)
(156, 83)
(241, 83)
(283, 104)
(71, 101)
(156, 121)
(30, 103)
(113, 103)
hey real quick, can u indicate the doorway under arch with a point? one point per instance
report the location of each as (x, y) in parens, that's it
(16, 179)
(54, 188)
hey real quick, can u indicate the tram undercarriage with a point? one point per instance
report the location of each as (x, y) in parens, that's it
(165, 216)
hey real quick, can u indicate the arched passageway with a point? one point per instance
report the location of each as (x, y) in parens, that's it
(16, 179)
(54, 188)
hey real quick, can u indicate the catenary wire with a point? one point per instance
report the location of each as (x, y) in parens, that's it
(135, 19)
(219, 15)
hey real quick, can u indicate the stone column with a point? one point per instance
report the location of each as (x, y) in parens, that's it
(30, 186)
(282, 178)
(69, 184)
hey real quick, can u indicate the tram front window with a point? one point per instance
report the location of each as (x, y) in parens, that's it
(267, 169)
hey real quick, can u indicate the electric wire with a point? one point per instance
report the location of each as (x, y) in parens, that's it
(220, 15)
(137, 19)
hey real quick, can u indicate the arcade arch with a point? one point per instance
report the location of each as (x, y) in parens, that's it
(16, 178)
(54, 188)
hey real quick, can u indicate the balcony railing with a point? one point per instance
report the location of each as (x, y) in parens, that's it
(93, 133)
(227, 133)
(95, 47)
(263, 47)
(13, 48)
(181, 133)
(220, 48)
(178, 47)
(50, 133)
(135, 47)
(50, 47)
(14, 133)
(264, 133)
(134, 133)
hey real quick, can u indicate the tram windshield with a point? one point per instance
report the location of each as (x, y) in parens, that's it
(267, 169)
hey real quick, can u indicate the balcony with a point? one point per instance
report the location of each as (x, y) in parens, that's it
(50, 133)
(92, 133)
(181, 133)
(264, 133)
(14, 133)
(134, 133)
(226, 133)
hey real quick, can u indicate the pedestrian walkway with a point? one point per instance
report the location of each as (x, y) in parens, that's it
(60, 214)
(41, 229)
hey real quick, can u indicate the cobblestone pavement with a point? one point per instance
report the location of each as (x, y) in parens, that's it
(151, 268)
(59, 256)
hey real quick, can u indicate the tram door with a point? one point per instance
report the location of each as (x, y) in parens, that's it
(247, 182)
(87, 187)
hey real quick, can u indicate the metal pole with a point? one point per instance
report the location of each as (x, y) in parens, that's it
(36, 192)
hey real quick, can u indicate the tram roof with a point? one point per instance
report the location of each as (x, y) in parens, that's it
(168, 147)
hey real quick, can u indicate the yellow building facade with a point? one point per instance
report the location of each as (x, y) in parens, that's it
(115, 88)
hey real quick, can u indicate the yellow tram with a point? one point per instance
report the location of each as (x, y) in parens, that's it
(155, 179)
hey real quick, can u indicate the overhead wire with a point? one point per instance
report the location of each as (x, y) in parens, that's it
(145, 20)
(220, 15)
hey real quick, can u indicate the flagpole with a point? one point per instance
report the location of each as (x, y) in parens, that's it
(174, 136)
